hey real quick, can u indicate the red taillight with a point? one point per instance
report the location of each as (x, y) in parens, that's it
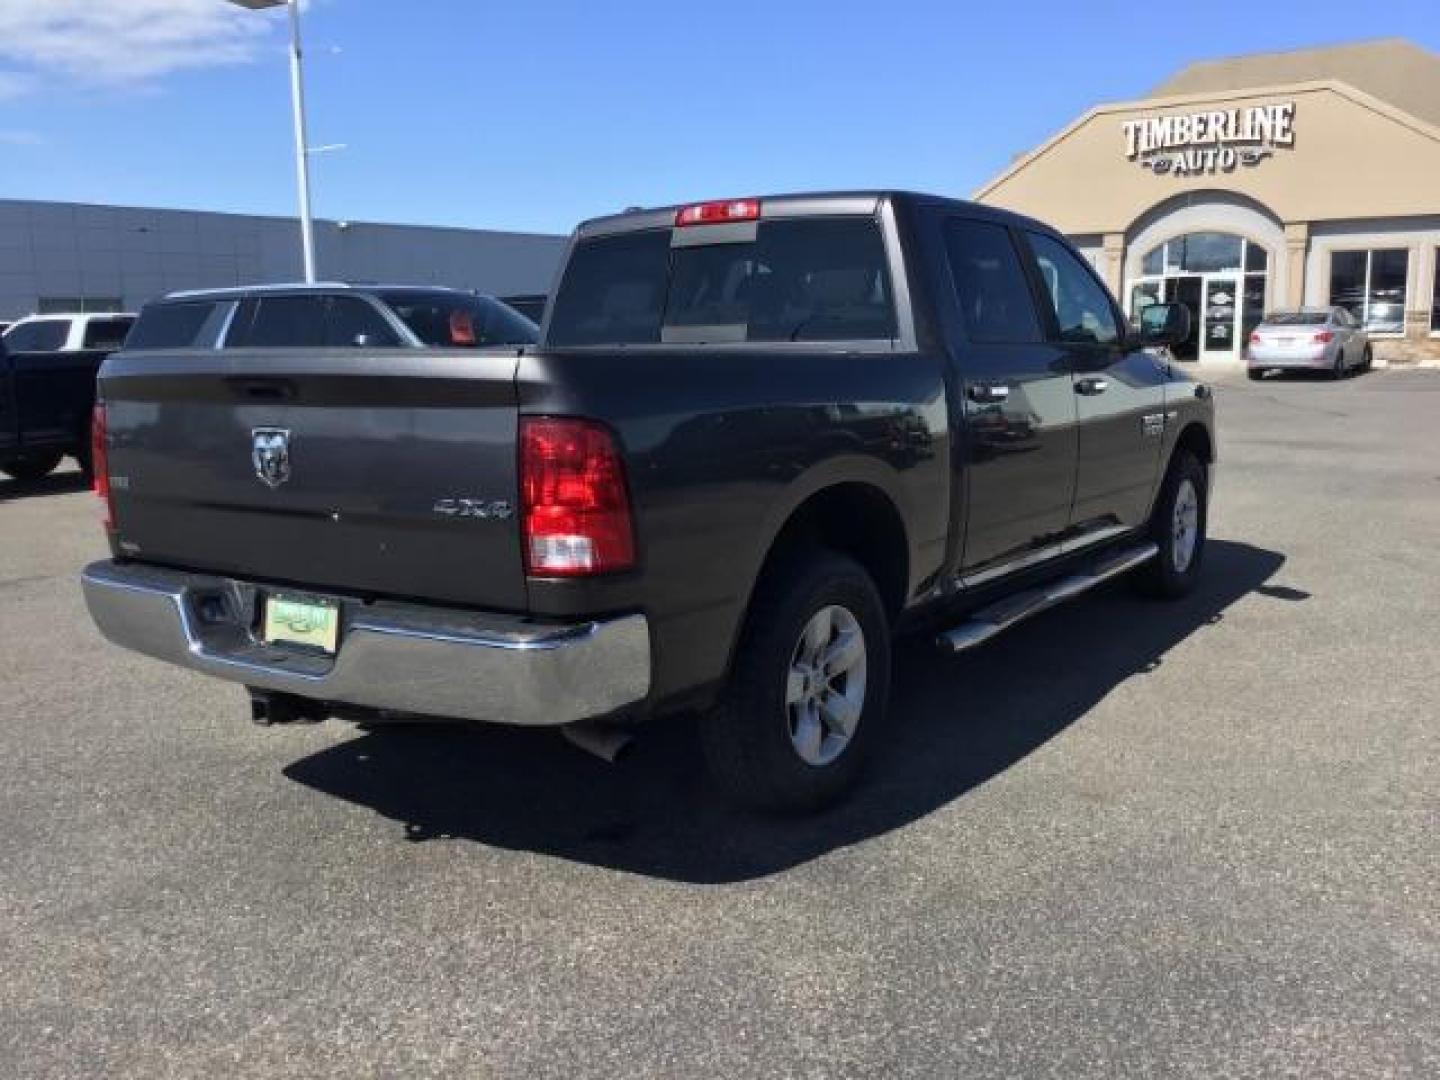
(714, 213)
(1254, 339)
(100, 465)
(1325, 336)
(576, 511)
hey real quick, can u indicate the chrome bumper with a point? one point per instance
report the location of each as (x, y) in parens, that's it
(401, 657)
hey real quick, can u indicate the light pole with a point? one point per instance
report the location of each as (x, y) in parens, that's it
(297, 107)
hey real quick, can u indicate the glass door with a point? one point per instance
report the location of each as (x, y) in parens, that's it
(1220, 332)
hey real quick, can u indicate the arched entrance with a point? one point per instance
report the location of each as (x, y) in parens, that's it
(1219, 276)
(1220, 253)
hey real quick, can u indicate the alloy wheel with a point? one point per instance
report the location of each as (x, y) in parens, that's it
(1185, 526)
(825, 685)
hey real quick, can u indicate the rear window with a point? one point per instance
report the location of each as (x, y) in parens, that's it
(170, 326)
(813, 279)
(1298, 318)
(106, 333)
(459, 321)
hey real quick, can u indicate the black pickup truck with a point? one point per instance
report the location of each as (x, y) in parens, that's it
(47, 389)
(757, 439)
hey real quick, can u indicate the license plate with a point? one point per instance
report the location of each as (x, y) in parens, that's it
(1284, 341)
(315, 623)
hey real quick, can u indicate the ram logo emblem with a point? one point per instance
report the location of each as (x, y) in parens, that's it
(270, 454)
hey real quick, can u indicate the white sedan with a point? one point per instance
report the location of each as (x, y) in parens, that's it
(1309, 339)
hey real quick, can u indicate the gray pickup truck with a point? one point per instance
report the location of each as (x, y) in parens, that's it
(757, 438)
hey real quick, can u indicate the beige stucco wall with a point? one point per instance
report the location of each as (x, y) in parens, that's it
(1360, 173)
(1353, 157)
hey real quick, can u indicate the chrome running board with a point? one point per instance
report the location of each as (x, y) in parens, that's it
(1003, 614)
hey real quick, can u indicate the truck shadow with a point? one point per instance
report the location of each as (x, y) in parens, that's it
(958, 722)
(64, 482)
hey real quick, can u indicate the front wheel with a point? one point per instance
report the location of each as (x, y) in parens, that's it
(1178, 527)
(808, 692)
(31, 467)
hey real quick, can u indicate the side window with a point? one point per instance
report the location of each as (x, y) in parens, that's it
(106, 333)
(990, 285)
(1082, 306)
(279, 322)
(352, 322)
(43, 335)
(175, 325)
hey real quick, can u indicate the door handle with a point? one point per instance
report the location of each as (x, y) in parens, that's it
(987, 393)
(1092, 386)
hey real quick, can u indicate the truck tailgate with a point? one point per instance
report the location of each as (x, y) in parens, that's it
(328, 469)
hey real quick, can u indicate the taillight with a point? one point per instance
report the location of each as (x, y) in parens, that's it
(715, 213)
(100, 465)
(1254, 339)
(575, 507)
(1325, 336)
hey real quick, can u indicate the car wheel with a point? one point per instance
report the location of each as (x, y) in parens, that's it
(1337, 371)
(1255, 374)
(1368, 362)
(30, 468)
(809, 688)
(1178, 527)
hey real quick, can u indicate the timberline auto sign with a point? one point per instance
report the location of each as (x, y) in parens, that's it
(1207, 142)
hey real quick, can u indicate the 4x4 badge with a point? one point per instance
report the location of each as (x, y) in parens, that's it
(270, 454)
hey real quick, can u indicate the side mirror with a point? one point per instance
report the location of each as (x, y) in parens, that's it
(1164, 324)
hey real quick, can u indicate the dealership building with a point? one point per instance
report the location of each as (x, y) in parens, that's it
(71, 257)
(1249, 184)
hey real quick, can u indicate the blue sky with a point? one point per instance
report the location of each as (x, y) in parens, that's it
(533, 114)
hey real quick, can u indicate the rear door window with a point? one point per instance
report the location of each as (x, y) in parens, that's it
(106, 333)
(995, 299)
(42, 335)
(806, 279)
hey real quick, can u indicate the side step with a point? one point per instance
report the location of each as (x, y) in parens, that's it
(1003, 614)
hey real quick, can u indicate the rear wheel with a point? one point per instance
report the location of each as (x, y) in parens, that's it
(31, 467)
(1255, 374)
(1337, 371)
(1178, 527)
(1368, 362)
(807, 697)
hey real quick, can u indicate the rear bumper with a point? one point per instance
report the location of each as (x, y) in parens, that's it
(1260, 356)
(400, 657)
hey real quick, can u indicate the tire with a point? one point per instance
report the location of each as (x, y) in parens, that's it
(32, 467)
(1367, 362)
(773, 753)
(82, 458)
(1175, 570)
(1255, 374)
(1337, 372)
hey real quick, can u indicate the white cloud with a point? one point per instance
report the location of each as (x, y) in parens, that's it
(132, 42)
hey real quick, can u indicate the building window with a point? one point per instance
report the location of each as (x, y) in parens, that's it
(1371, 286)
(79, 305)
(1435, 299)
(1205, 253)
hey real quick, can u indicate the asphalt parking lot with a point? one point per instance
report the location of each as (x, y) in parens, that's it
(1194, 840)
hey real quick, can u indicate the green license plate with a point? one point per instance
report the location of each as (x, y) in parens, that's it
(315, 623)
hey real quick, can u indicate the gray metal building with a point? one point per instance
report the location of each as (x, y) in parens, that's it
(68, 256)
